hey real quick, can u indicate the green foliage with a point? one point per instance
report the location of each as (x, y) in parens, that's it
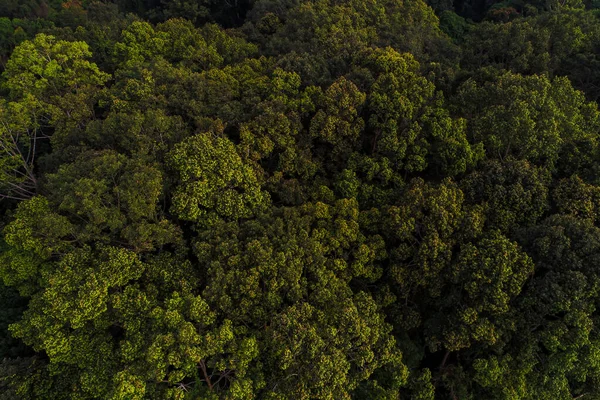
(13, 306)
(284, 199)
(528, 117)
(35, 236)
(514, 193)
(214, 182)
(319, 39)
(44, 68)
(295, 269)
(453, 25)
(52, 85)
(338, 123)
(408, 118)
(492, 272)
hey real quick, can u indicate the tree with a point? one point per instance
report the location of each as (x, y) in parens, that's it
(214, 182)
(113, 199)
(528, 117)
(51, 84)
(339, 123)
(295, 267)
(319, 199)
(556, 332)
(490, 274)
(514, 193)
(408, 121)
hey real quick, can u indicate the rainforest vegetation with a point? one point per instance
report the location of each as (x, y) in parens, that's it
(300, 199)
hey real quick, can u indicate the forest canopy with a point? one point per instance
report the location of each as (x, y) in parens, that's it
(300, 199)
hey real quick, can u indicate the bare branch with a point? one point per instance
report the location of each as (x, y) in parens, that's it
(6, 196)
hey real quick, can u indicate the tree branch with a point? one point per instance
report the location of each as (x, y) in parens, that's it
(206, 377)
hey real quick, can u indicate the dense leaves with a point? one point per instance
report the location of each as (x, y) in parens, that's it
(299, 199)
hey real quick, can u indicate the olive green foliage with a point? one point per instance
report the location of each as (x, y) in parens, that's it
(299, 199)
(51, 85)
(214, 182)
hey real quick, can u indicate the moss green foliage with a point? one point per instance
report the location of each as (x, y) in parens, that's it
(299, 199)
